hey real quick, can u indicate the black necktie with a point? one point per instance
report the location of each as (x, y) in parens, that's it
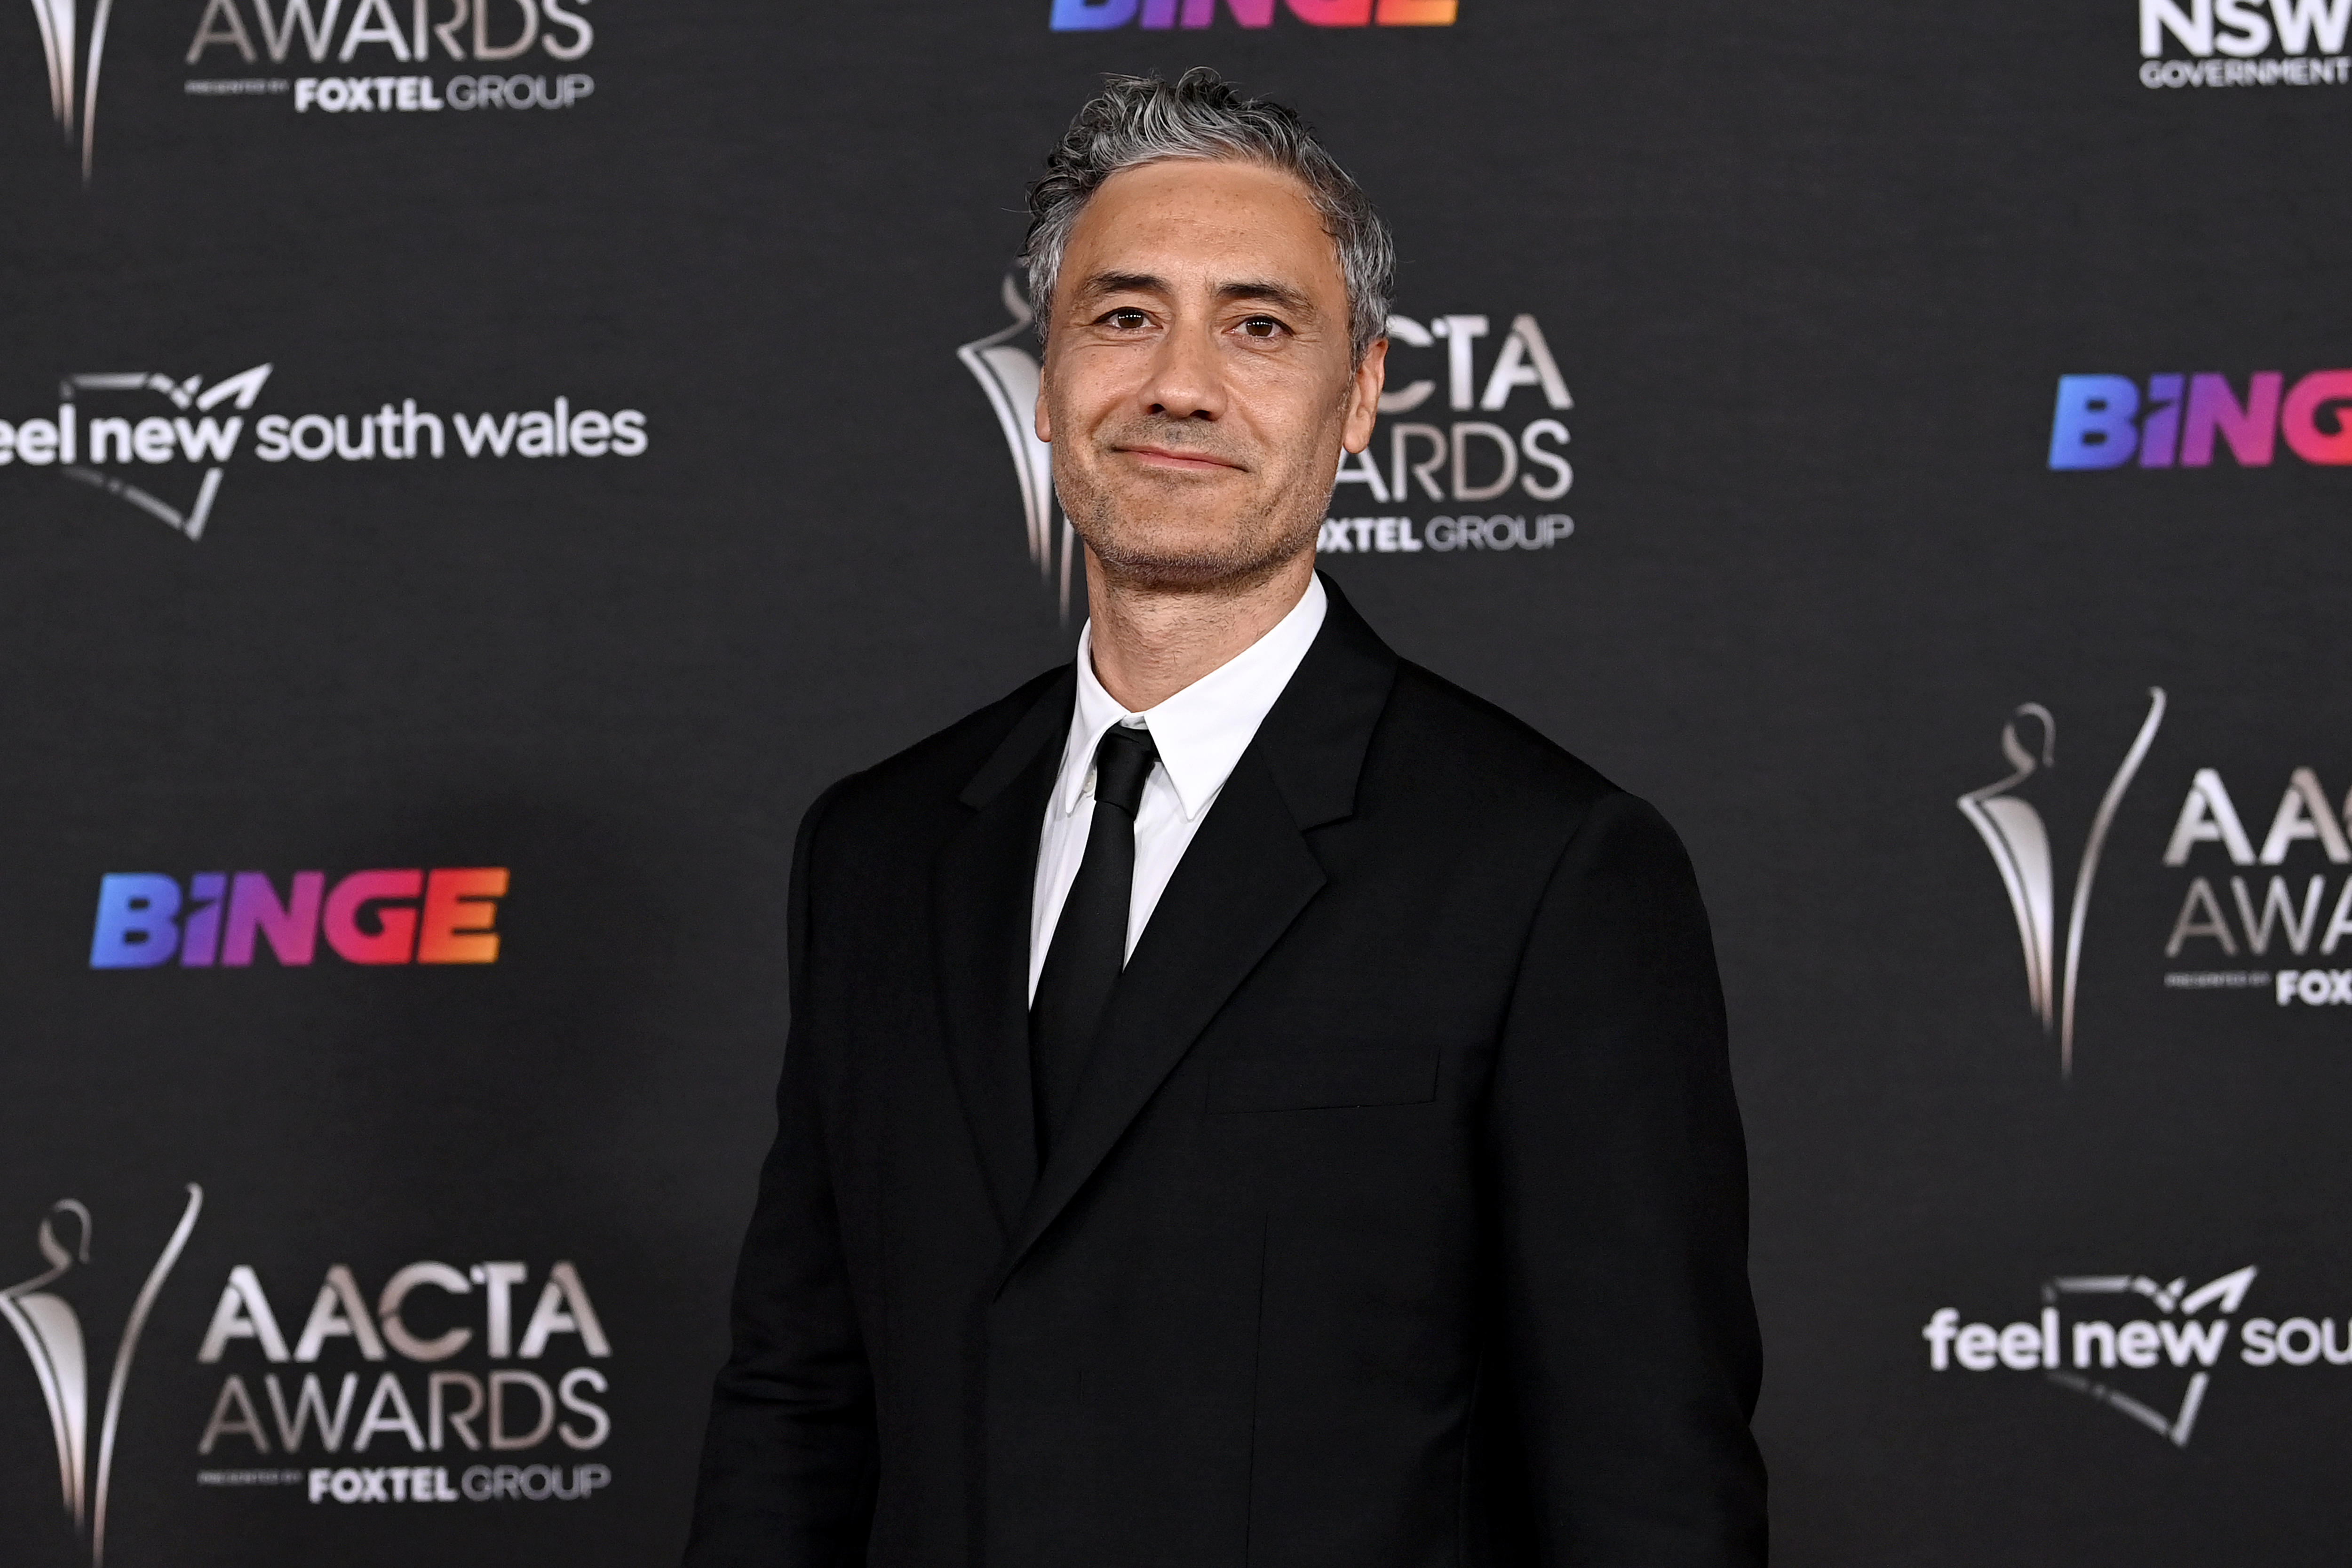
(1090, 947)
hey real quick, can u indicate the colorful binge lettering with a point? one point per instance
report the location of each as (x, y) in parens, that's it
(2107, 421)
(445, 916)
(1092, 15)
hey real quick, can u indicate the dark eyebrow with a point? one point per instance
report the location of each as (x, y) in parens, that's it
(1278, 294)
(1103, 283)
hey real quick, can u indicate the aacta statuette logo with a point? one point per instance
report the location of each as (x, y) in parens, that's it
(2013, 829)
(2177, 1339)
(1009, 374)
(51, 1331)
(75, 54)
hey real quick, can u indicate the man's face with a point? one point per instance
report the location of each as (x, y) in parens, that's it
(1198, 382)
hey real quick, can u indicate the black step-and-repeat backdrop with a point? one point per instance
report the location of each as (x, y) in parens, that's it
(471, 471)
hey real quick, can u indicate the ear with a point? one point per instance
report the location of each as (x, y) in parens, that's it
(1041, 418)
(1363, 396)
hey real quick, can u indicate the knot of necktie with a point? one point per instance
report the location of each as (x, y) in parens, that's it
(1122, 763)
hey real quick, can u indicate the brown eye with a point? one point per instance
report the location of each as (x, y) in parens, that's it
(1125, 320)
(1262, 327)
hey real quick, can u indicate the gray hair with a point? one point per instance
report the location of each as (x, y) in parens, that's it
(1143, 119)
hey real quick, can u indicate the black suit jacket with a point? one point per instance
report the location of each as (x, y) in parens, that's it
(1401, 1220)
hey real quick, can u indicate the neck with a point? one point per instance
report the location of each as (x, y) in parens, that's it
(1150, 642)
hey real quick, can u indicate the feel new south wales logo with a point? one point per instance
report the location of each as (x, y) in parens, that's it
(163, 444)
(2149, 1350)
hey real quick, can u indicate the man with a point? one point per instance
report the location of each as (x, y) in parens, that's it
(1248, 1102)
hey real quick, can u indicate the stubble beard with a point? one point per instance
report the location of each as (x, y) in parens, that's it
(1131, 536)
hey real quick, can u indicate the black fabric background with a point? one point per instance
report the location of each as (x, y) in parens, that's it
(1810, 272)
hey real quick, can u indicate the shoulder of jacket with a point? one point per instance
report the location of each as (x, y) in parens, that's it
(931, 772)
(1498, 753)
(1501, 780)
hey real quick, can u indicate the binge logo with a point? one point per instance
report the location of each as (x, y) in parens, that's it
(2180, 420)
(447, 916)
(1093, 15)
(2308, 35)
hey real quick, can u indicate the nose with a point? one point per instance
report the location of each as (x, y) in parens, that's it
(1186, 380)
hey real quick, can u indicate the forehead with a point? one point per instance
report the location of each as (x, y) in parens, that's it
(1182, 219)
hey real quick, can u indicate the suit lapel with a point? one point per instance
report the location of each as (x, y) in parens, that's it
(980, 891)
(1241, 883)
(1242, 880)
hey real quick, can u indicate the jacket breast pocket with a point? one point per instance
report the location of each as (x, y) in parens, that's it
(1325, 1080)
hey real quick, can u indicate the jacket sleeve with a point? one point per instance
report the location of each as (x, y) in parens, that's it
(788, 1459)
(1628, 1338)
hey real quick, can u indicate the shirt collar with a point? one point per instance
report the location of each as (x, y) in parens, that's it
(1201, 730)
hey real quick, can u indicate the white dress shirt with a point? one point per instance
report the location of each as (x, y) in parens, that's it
(1201, 732)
